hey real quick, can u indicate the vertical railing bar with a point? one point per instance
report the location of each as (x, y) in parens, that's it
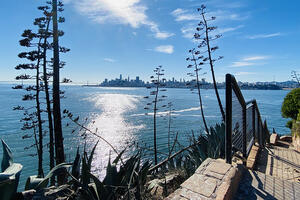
(228, 120)
(258, 127)
(253, 122)
(244, 133)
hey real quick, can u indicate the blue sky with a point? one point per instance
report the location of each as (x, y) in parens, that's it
(131, 37)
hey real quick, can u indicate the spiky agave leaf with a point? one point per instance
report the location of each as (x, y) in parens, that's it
(61, 168)
(76, 165)
(7, 159)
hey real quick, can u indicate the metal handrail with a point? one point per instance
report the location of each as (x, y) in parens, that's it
(256, 125)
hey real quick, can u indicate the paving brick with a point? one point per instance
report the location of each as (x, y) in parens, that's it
(213, 174)
(191, 195)
(200, 184)
(219, 167)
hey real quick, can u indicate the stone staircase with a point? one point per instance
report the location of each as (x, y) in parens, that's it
(276, 175)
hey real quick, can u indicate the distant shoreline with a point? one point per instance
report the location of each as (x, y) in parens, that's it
(246, 88)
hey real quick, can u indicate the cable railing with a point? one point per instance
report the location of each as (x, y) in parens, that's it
(243, 122)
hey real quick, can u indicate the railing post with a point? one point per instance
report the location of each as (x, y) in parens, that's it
(228, 120)
(244, 134)
(253, 122)
(258, 129)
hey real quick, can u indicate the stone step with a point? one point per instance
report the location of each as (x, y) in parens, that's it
(257, 185)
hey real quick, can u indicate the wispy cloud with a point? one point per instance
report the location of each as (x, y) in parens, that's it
(193, 17)
(163, 35)
(221, 15)
(169, 49)
(188, 31)
(109, 60)
(128, 12)
(259, 36)
(252, 58)
(250, 61)
(241, 64)
(184, 15)
(229, 29)
(244, 73)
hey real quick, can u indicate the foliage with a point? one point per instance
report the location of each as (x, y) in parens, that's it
(296, 126)
(127, 181)
(209, 145)
(291, 105)
(9, 178)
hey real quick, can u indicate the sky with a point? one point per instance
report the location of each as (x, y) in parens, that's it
(260, 38)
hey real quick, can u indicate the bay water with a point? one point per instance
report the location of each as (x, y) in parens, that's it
(118, 115)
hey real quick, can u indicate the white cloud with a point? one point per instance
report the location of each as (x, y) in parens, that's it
(229, 29)
(109, 60)
(259, 36)
(193, 17)
(169, 49)
(252, 58)
(243, 73)
(245, 61)
(163, 35)
(178, 11)
(188, 32)
(241, 64)
(184, 15)
(128, 12)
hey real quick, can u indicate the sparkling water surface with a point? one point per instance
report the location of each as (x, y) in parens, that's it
(118, 114)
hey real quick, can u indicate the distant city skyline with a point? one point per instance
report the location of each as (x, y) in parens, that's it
(260, 38)
(182, 83)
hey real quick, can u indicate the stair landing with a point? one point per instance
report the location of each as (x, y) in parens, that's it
(276, 175)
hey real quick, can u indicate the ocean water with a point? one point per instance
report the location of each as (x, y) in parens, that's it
(118, 115)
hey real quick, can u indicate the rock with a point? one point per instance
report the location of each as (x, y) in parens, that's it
(273, 138)
(51, 193)
(286, 138)
(157, 192)
(159, 187)
(28, 194)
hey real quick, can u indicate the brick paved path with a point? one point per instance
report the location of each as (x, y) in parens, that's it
(276, 176)
(281, 162)
(257, 185)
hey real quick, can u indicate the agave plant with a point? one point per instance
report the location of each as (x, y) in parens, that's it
(209, 145)
(127, 180)
(9, 178)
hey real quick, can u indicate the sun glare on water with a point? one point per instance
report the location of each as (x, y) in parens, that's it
(110, 120)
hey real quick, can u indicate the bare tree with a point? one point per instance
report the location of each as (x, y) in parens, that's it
(296, 76)
(31, 120)
(59, 144)
(195, 79)
(157, 82)
(204, 32)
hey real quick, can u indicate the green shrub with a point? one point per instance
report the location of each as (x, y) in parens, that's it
(289, 124)
(296, 126)
(291, 106)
